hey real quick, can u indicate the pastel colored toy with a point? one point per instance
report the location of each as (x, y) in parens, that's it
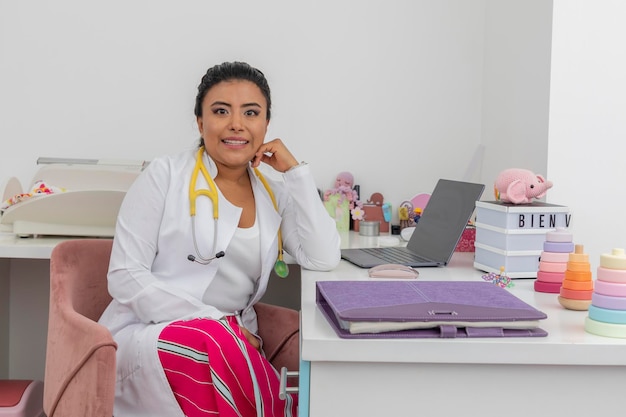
(554, 256)
(615, 289)
(577, 286)
(611, 275)
(344, 184)
(576, 295)
(607, 312)
(520, 186)
(614, 260)
(559, 247)
(601, 328)
(578, 275)
(554, 260)
(546, 286)
(552, 266)
(560, 234)
(553, 277)
(606, 315)
(608, 301)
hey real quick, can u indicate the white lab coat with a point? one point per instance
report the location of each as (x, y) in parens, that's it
(153, 283)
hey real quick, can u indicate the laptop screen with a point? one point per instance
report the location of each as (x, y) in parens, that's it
(445, 216)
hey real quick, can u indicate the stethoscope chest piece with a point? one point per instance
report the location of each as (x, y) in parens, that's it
(281, 268)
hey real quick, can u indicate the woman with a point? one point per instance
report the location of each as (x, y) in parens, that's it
(186, 271)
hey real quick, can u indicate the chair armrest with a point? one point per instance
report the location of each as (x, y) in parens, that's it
(279, 328)
(80, 365)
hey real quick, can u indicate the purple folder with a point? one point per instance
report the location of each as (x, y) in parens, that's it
(437, 309)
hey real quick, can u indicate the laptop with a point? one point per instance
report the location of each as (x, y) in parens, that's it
(436, 234)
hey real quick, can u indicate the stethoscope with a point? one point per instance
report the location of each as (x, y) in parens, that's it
(280, 267)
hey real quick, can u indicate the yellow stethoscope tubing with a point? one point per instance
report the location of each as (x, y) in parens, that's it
(273, 198)
(211, 193)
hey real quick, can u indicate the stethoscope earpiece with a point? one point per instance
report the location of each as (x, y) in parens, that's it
(206, 261)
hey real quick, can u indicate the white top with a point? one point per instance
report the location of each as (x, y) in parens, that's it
(236, 279)
(153, 283)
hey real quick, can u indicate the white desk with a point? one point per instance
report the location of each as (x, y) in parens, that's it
(24, 301)
(569, 373)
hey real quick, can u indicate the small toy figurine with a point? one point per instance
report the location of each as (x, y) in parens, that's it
(417, 214)
(343, 187)
(404, 214)
(342, 199)
(520, 186)
(501, 279)
(377, 199)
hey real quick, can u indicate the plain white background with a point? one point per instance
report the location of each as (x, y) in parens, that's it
(400, 93)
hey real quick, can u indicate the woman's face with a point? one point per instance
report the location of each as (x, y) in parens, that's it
(233, 122)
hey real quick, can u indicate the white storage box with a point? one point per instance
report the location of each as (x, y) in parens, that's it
(510, 239)
(516, 264)
(511, 236)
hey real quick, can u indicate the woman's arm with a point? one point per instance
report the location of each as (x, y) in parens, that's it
(131, 279)
(309, 233)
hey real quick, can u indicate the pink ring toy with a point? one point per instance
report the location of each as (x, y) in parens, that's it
(611, 288)
(549, 287)
(550, 276)
(553, 266)
(611, 275)
(554, 256)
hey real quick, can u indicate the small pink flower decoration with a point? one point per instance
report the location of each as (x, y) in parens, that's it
(357, 213)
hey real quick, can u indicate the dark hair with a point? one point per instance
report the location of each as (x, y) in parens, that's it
(232, 71)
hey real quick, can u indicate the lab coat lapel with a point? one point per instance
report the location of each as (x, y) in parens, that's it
(269, 223)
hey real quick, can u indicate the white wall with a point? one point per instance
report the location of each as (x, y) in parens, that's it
(516, 92)
(587, 139)
(385, 90)
(391, 91)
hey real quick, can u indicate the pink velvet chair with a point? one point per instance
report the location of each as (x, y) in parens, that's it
(80, 357)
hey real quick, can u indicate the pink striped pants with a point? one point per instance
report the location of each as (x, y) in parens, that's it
(214, 371)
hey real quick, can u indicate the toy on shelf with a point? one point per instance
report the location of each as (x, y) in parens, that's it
(520, 186)
(607, 312)
(553, 260)
(341, 200)
(404, 214)
(577, 286)
(375, 209)
(408, 214)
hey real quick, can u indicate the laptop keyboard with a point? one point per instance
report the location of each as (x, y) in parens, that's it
(394, 255)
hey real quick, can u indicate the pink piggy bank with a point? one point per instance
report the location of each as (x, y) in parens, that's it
(520, 186)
